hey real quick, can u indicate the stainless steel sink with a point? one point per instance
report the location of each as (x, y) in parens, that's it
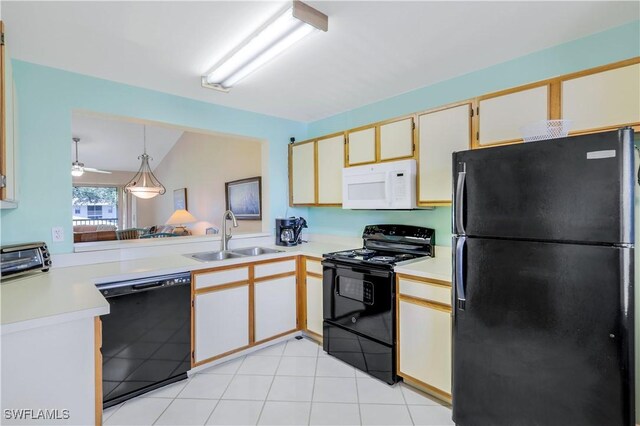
(255, 251)
(209, 256)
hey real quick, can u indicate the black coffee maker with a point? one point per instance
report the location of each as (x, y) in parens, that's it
(289, 230)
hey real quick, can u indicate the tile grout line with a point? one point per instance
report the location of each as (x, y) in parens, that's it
(273, 378)
(406, 404)
(313, 388)
(225, 389)
(118, 407)
(355, 373)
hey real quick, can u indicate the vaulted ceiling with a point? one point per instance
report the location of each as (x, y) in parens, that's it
(373, 49)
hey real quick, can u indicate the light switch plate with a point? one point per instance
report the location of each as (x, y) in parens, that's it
(57, 234)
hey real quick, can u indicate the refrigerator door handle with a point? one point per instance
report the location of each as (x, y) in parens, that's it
(459, 273)
(459, 199)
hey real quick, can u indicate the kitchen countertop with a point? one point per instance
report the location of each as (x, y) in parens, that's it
(438, 267)
(69, 293)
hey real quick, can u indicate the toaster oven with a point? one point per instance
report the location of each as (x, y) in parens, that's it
(22, 259)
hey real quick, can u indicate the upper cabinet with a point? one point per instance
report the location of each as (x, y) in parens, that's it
(330, 152)
(396, 139)
(595, 100)
(302, 173)
(315, 171)
(602, 100)
(441, 133)
(501, 115)
(8, 133)
(362, 146)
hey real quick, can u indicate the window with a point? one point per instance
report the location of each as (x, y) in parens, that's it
(94, 212)
(99, 202)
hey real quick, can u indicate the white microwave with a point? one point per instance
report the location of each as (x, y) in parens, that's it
(384, 186)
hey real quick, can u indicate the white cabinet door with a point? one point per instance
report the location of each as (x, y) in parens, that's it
(362, 146)
(303, 173)
(330, 164)
(314, 305)
(425, 345)
(606, 99)
(501, 117)
(221, 322)
(441, 134)
(396, 139)
(275, 307)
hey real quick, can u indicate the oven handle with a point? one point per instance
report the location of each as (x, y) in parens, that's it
(374, 272)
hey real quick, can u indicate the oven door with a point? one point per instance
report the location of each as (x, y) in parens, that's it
(360, 299)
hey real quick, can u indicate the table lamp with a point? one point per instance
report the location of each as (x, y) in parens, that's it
(179, 218)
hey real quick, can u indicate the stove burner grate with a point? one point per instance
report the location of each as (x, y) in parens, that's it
(348, 253)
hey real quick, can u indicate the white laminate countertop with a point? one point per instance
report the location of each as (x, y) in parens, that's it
(69, 293)
(438, 267)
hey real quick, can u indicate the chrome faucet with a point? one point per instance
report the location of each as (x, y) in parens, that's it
(226, 235)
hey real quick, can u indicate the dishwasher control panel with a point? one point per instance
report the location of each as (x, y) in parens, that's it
(119, 288)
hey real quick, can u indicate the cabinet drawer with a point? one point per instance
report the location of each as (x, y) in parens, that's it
(225, 276)
(274, 268)
(314, 266)
(425, 290)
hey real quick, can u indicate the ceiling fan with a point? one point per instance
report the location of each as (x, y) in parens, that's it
(78, 168)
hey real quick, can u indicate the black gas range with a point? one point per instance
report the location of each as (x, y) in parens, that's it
(359, 296)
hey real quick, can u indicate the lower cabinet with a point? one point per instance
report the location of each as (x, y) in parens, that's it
(236, 307)
(314, 305)
(424, 337)
(313, 285)
(275, 307)
(221, 322)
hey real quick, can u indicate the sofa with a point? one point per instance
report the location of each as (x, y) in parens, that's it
(88, 233)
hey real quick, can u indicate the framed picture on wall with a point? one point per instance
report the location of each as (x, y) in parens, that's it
(180, 199)
(244, 198)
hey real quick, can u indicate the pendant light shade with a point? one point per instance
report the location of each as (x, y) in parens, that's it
(77, 168)
(144, 184)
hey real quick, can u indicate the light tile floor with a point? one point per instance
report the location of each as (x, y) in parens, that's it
(290, 383)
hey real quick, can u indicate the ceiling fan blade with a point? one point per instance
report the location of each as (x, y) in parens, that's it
(92, 170)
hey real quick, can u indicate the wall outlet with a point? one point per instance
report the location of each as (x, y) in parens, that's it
(57, 234)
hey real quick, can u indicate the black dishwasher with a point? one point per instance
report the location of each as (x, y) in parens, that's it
(146, 337)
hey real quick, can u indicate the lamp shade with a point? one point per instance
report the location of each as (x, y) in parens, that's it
(180, 217)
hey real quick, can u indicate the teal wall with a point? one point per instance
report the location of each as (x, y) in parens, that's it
(47, 96)
(46, 99)
(602, 48)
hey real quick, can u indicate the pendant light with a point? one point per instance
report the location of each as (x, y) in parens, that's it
(144, 184)
(77, 168)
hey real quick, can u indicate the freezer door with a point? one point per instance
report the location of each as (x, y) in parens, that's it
(571, 189)
(545, 335)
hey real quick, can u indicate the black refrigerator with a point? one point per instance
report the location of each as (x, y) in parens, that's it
(543, 318)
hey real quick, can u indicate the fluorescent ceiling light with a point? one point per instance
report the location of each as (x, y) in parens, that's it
(279, 33)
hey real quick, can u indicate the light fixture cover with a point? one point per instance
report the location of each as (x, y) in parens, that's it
(278, 34)
(144, 184)
(77, 168)
(179, 217)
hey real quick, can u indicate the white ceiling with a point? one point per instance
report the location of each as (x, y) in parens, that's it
(372, 51)
(114, 144)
